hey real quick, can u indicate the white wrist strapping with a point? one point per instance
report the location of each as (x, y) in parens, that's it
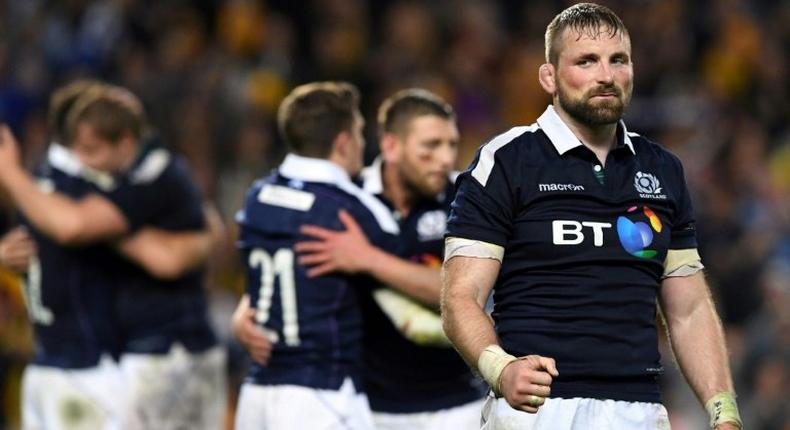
(723, 409)
(491, 363)
(417, 323)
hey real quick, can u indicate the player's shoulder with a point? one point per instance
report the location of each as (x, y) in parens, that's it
(366, 207)
(512, 140)
(506, 150)
(653, 152)
(156, 163)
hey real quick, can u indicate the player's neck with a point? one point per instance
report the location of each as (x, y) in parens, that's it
(599, 139)
(395, 190)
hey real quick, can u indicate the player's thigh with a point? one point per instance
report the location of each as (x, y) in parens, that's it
(263, 407)
(164, 388)
(576, 414)
(31, 402)
(208, 388)
(72, 399)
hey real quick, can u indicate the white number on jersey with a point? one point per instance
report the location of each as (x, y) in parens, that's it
(281, 264)
(35, 307)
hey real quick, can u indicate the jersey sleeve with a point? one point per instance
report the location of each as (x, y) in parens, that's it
(484, 202)
(684, 230)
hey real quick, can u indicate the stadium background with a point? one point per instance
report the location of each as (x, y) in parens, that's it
(712, 84)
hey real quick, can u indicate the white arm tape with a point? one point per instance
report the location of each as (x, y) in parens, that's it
(460, 247)
(416, 322)
(491, 363)
(682, 262)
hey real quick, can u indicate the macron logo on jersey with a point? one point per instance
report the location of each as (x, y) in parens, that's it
(560, 187)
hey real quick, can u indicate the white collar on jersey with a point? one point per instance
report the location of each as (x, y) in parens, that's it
(312, 170)
(371, 177)
(563, 138)
(324, 171)
(372, 182)
(64, 160)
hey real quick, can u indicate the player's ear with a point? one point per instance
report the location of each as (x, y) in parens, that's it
(128, 145)
(390, 147)
(342, 144)
(546, 77)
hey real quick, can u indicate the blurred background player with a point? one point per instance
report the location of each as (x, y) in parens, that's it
(414, 379)
(69, 303)
(411, 383)
(112, 120)
(170, 358)
(314, 376)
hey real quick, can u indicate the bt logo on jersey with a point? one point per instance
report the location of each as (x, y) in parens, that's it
(636, 236)
(569, 232)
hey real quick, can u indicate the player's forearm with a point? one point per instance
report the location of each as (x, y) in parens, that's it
(699, 347)
(468, 328)
(164, 254)
(465, 321)
(422, 283)
(54, 215)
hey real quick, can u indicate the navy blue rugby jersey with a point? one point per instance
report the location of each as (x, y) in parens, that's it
(68, 293)
(401, 376)
(158, 191)
(584, 250)
(315, 324)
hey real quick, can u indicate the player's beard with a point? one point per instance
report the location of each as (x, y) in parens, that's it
(601, 112)
(416, 186)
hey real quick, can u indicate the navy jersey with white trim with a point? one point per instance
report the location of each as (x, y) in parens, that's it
(583, 257)
(402, 376)
(158, 191)
(315, 323)
(68, 293)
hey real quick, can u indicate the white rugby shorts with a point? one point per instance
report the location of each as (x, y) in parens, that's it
(177, 390)
(283, 407)
(576, 414)
(73, 399)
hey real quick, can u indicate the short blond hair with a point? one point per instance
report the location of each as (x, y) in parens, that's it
(584, 18)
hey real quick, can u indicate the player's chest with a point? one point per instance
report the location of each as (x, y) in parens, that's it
(625, 209)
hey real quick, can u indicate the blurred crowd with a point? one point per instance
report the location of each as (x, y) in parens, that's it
(712, 83)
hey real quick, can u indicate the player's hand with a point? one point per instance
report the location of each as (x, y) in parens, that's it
(727, 426)
(525, 383)
(16, 250)
(334, 251)
(249, 335)
(9, 151)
